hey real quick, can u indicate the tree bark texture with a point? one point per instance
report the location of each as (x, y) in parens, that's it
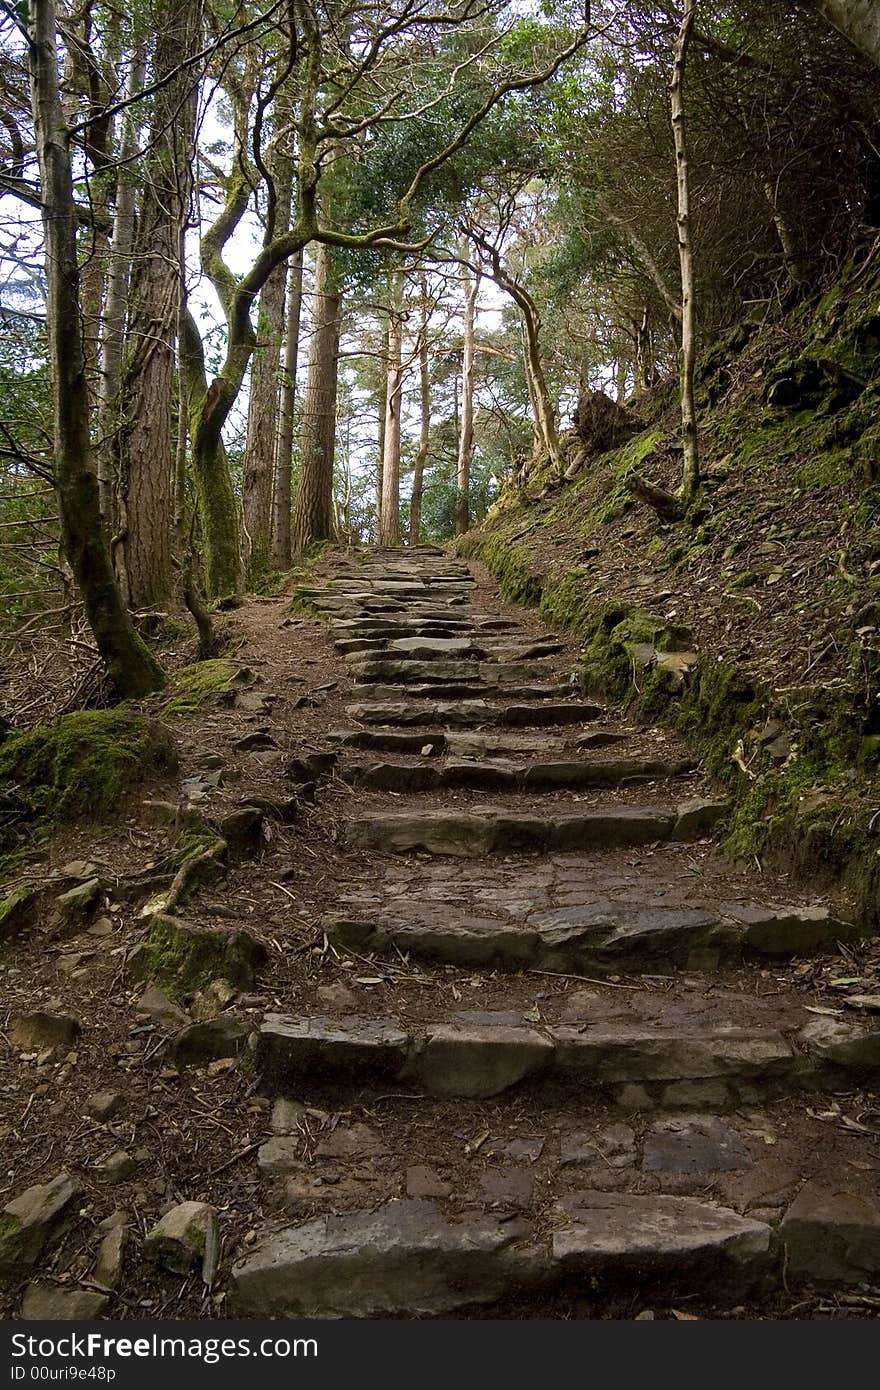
(859, 20)
(470, 284)
(283, 466)
(690, 481)
(389, 517)
(263, 406)
(418, 483)
(146, 463)
(313, 518)
(131, 666)
(116, 300)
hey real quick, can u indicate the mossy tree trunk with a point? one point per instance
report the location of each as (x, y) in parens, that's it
(690, 480)
(132, 668)
(264, 404)
(859, 20)
(207, 408)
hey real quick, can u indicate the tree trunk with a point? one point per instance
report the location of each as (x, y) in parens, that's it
(116, 302)
(418, 484)
(859, 20)
(281, 495)
(217, 504)
(382, 408)
(313, 516)
(471, 285)
(690, 481)
(263, 406)
(132, 668)
(146, 468)
(389, 516)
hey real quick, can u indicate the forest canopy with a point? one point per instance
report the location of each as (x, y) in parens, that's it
(278, 275)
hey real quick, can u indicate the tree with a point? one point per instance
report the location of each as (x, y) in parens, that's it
(471, 287)
(859, 20)
(132, 668)
(687, 361)
(389, 514)
(313, 519)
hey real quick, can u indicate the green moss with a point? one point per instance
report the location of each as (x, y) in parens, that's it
(81, 765)
(13, 1243)
(191, 686)
(183, 959)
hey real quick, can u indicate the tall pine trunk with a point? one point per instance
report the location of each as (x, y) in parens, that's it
(466, 437)
(418, 484)
(116, 301)
(389, 517)
(146, 466)
(283, 466)
(381, 412)
(131, 666)
(313, 518)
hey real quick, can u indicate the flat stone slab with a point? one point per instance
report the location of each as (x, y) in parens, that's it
(474, 1061)
(406, 1259)
(491, 830)
(832, 1234)
(609, 1234)
(619, 1053)
(474, 713)
(406, 672)
(350, 1047)
(705, 1144)
(495, 774)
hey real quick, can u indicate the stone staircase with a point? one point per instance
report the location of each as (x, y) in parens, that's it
(625, 1101)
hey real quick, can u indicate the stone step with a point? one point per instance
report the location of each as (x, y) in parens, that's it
(448, 648)
(434, 742)
(417, 627)
(589, 938)
(498, 830)
(475, 713)
(477, 1056)
(506, 775)
(467, 692)
(406, 672)
(411, 1258)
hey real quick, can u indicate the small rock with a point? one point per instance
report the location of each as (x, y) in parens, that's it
(214, 1038)
(425, 1182)
(509, 1185)
(242, 829)
(40, 1029)
(178, 1242)
(111, 1252)
(119, 1166)
(208, 1003)
(280, 1155)
(78, 868)
(337, 997)
(47, 1303)
(698, 818)
(286, 1116)
(102, 926)
(155, 1004)
(103, 1105)
(351, 1141)
(633, 1098)
(832, 1234)
(77, 901)
(30, 1219)
(646, 1315)
(701, 1145)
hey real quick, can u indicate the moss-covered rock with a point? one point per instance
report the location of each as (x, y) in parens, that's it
(81, 765)
(193, 686)
(182, 959)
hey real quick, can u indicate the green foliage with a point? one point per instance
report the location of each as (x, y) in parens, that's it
(190, 687)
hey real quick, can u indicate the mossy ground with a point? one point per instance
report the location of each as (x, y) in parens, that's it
(80, 766)
(772, 578)
(191, 686)
(182, 960)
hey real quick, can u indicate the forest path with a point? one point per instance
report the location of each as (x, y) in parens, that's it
(562, 1073)
(474, 1020)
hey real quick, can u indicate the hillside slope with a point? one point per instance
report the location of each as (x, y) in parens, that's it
(753, 626)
